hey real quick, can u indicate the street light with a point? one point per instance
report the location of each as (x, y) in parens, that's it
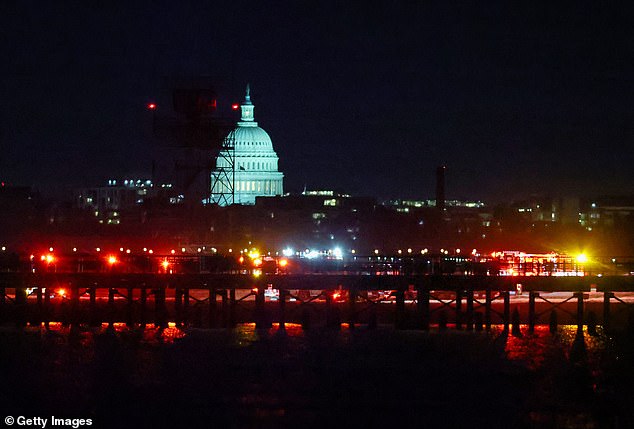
(581, 259)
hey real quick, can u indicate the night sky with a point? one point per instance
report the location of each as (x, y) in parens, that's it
(367, 98)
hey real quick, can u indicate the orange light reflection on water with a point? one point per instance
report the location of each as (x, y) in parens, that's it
(171, 333)
(533, 349)
(529, 349)
(294, 329)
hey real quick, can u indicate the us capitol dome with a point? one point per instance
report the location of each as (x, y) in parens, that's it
(255, 163)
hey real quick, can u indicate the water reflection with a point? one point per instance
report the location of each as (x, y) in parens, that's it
(266, 377)
(528, 347)
(532, 349)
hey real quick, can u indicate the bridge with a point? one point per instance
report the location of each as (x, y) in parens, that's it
(328, 299)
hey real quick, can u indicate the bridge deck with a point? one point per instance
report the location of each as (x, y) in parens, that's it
(324, 281)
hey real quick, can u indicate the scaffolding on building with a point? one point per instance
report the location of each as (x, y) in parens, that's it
(223, 177)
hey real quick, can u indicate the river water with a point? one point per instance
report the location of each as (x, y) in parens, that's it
(245, 378)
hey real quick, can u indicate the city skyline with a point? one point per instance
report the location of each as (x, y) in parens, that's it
(514, 101)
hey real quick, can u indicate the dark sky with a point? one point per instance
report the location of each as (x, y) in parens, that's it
(367, 97)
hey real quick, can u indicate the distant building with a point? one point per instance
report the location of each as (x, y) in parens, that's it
(318, 200)
(107, 202)
(255, 170)
(323, 219)
(567, 210)
(405, 206)
(608, 212)
(538, 208)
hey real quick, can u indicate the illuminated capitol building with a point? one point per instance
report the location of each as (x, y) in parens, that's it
(247, 161)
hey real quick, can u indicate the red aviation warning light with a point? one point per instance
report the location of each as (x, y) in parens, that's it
(235, 106)
(151, 106)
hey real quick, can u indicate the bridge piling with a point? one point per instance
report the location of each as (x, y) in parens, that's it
(282, 303)
(225, 308)
(261, 321)
(92, 305)
(458, 309)
(212, 307)
(591, 321)
(160, 311)
(47, 306)
(487, 310)
(442, 321)
(40, 305)
(531, 310)
(478, 321)
(470, 310)
(423, 307)
(232, 308)
(552, 324)
(111, 292)
(606, 309)
(20, 306)
(143, 309)
(515, 325)
(333, 321)
(579, 296)
(507, 309)
(186, 306)
(352, 315)
(130, 308)
(400, 309)
(178, 306)
(74, 306)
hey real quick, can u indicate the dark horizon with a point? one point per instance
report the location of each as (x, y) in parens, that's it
(515, 101)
